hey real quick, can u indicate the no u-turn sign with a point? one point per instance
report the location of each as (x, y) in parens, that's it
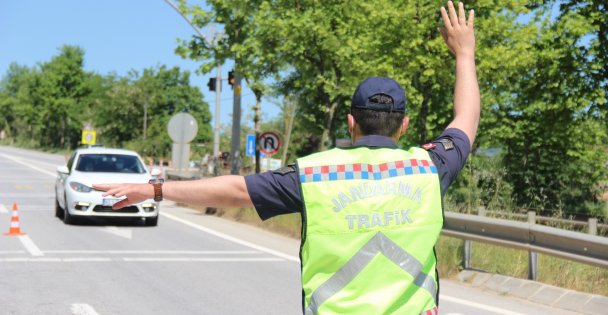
(269, 143)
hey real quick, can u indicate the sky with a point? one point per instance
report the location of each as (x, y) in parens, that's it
(117, 36)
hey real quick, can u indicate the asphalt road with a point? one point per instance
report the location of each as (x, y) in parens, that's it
(189, 264)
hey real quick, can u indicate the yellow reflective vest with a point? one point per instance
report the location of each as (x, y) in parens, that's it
(370, 222)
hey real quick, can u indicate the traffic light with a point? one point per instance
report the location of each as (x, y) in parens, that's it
(211, 84)
(231, 78)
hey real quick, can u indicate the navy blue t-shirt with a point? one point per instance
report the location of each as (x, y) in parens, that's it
(278, 192)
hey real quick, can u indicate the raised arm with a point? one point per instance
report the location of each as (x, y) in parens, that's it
(460, 38)
(223, 191)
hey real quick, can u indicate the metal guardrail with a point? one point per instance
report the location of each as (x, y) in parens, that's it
(591, 223)
(575, 246)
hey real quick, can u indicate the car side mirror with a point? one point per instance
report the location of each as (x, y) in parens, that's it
(63, 169)
(155, 172)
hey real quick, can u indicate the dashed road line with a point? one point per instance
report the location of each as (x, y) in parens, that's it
(155, 252)
(30, 246)
(83, 309)
(139, 259)
(3, 209)
(189, 259)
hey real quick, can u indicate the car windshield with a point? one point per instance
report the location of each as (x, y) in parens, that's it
(110, 163)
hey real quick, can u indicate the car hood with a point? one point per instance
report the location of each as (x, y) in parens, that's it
(108, 178)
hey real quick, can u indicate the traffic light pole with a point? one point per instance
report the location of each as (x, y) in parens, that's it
(236, 126)
(216, 131)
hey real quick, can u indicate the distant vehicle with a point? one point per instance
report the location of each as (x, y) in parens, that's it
(75, 198)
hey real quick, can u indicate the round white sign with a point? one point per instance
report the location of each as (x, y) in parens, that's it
(182, 127)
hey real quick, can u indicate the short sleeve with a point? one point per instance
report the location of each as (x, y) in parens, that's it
(449, 153)
(275, 192)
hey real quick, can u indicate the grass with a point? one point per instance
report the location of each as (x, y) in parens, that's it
(493, 259)
(512, 262)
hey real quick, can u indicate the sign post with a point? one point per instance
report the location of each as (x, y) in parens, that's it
(182, 129)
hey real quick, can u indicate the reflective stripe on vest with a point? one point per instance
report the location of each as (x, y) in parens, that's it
(371, 219)
(379, 244)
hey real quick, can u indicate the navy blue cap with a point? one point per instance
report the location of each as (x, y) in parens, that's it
(381, 94)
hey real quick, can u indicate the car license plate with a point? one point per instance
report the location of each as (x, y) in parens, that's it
(110, 201)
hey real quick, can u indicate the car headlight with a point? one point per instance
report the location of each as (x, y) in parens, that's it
(80, 187)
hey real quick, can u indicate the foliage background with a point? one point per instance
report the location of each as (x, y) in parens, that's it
(542, 68)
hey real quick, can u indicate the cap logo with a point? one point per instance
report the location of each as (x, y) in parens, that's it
(381, 99)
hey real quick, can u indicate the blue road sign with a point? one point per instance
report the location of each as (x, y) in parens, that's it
(250, 145)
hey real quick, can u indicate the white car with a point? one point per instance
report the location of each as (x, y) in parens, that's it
(75, 197)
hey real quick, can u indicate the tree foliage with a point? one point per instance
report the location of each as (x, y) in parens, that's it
(48, 106)
(542, 69)
(541, 65)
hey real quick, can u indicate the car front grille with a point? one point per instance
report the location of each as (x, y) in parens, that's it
(130, 209)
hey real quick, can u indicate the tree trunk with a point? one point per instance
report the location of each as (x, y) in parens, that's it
(327, 125)
(289, 127)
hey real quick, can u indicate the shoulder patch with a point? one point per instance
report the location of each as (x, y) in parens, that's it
(447, 144)
(285, 170)
(428, 146)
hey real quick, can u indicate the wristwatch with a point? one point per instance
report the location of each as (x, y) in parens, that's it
(158, 188)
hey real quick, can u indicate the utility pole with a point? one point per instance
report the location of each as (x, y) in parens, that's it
(218, 87)
(256, 122)
(145, 128)
(236, 124)
(216, 130)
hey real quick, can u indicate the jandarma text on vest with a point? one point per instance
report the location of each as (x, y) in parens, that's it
(366, 190)
(366, 221)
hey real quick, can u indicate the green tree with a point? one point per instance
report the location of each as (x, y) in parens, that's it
(160, 93)
(17, 103)
(554, 150)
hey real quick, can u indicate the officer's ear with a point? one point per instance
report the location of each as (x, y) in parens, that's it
(351, 123)
(404, 124)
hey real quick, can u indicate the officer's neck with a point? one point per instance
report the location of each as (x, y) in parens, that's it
(356, 136)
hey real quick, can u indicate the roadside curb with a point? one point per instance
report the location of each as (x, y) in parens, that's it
(537, 292)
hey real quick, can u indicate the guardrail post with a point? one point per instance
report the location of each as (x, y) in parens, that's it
(467, 249)
(466, 257)
(532, 256)
(593, 226)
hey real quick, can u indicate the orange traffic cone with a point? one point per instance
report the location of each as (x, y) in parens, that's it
(14, 230)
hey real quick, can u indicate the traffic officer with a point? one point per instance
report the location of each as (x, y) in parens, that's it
(371, 213)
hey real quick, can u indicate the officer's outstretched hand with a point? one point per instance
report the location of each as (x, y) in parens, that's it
(458, 31)
(133, 193)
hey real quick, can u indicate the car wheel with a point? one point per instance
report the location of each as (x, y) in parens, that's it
(152, 221)
(67, 217)
(58, 209)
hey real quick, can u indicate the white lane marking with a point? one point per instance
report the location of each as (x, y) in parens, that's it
(126, 233)
(5, 252)
(28, 165)
(477, 305)
(135, 259)
(180, 259)
(87, 259)
(155, 252)
(3, 209)
(43, 259)
(232, 239)
(30, 246)
(83, 309)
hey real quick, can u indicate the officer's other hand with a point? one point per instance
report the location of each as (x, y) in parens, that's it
(134, 193)
(458, 31)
